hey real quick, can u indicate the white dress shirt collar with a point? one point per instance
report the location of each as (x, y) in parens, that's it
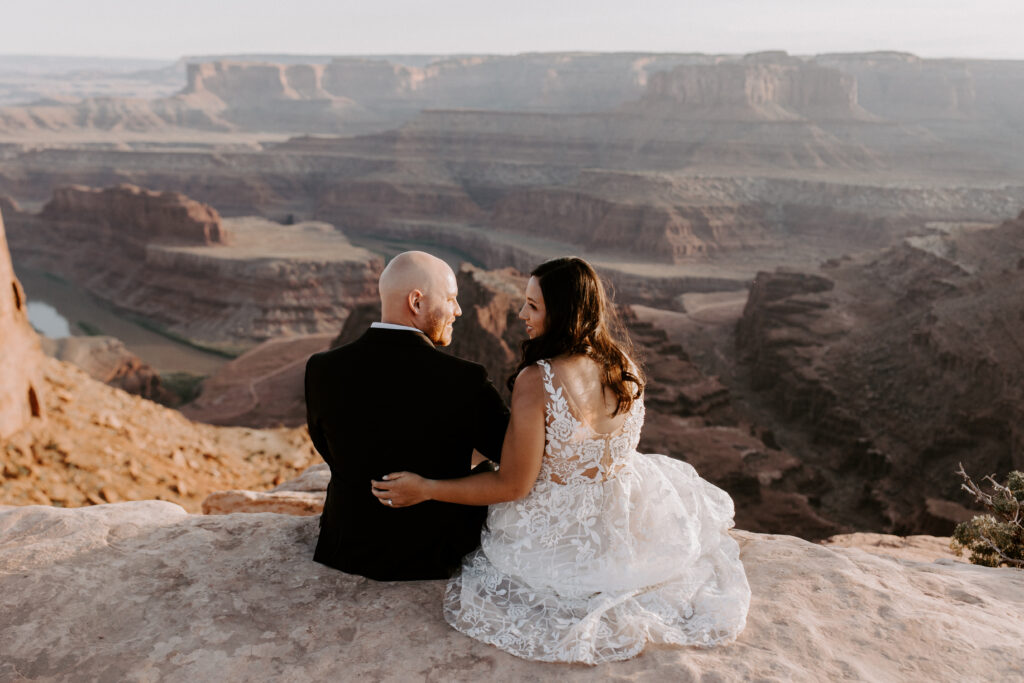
(393, 326)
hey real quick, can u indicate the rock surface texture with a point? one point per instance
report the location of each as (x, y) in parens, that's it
(303, 495)
(144, 590)
(21, 357)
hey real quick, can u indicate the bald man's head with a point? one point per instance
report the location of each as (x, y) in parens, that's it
(419, 290)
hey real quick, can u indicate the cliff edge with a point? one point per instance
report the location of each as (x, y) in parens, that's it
(144, 590)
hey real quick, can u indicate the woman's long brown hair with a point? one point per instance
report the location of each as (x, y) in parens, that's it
(582, 320)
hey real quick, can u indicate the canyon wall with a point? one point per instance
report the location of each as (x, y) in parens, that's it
(20, 362)
(358, 95)
(168, 259)
(134, 215)
(761, 87)
(896, 367)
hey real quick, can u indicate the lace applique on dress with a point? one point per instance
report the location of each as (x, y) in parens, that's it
(610, 550)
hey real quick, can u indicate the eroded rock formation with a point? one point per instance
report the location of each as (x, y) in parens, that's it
(759, 87)
(239, 595)
(151, 217)
(166, 258)
(897, 366)
(20, 376)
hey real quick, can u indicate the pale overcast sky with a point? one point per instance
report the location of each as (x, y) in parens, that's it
(140, 28)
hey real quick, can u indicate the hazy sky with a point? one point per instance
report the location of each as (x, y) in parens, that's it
(172, 28)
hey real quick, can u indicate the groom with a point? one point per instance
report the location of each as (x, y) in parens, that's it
(390, 401)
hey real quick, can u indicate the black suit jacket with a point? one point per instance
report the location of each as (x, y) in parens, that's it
(390, 401)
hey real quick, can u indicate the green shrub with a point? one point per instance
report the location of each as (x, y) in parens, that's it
(995, 539)
(186, 386)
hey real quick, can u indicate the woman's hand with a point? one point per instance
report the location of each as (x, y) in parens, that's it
(401, 489)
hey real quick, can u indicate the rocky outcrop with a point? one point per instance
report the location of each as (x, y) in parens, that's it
(651, 229)
(235, 595)
(20, 362)
(303, 495)
(100, 444)
(163, 257)
(107, 360)
(770, 87)
(897, 366)
(151, 217)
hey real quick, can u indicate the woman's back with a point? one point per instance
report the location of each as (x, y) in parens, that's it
(585, 442)
(581, 380)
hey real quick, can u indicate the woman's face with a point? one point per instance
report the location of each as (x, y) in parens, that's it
(533, 312)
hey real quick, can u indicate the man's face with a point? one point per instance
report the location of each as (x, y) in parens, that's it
(441, 308)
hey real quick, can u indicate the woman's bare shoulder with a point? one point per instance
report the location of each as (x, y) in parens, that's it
(529, 378)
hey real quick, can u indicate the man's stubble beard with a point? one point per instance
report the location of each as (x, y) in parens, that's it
(436, 325)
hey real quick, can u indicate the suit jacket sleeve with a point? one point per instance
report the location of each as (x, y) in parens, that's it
(491, 420)
(316, 432)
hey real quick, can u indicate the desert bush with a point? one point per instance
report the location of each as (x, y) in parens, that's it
(995, 539)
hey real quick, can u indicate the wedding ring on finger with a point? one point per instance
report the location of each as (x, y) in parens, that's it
(388, 501)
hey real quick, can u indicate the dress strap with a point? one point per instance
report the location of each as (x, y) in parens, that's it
(549, 380)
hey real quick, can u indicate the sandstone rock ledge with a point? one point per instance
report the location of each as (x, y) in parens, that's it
(145, 591)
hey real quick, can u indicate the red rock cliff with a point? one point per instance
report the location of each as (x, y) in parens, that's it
(152, 217)
(756, 89)
(19, 351)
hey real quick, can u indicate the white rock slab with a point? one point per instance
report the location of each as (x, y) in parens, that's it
(144, 592)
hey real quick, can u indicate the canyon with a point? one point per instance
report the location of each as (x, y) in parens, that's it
(632, 159)
(70, 440)
(251, 212)
(174, 262)
(810, 254)
(890, 369)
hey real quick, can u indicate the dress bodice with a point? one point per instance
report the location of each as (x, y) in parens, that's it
(574, 453)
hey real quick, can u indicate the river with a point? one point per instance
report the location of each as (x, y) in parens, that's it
(58, 308)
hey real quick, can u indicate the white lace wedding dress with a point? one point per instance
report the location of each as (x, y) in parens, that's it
(610, 550)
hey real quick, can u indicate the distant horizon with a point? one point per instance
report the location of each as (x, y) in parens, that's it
(383, 55)
(119, 29)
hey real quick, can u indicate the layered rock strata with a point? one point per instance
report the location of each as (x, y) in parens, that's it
(166, 259)
(898, 366)
(238, 593)
(759, 87)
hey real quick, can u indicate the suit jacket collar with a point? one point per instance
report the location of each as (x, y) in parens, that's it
(378, 335)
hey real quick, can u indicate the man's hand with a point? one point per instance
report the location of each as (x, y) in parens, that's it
(401, 489)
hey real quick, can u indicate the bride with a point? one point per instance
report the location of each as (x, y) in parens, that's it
(591, 549)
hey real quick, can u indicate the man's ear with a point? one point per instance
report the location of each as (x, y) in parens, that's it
(415, 301)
